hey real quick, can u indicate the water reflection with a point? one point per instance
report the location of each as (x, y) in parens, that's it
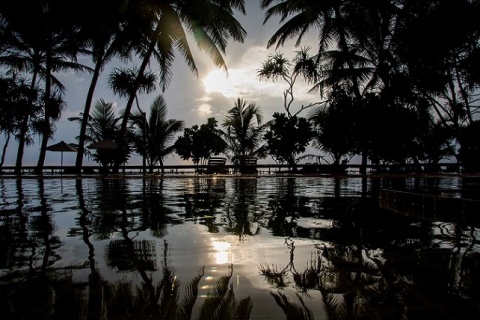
(203, 248)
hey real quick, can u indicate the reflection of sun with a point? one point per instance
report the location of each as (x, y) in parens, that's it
(221, 251)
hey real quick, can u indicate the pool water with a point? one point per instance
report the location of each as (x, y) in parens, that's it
(260, 247)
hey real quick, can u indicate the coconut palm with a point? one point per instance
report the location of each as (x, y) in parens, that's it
(39, 39)
(102, 47)
(121, 81)
(103, 124)
(154, 139)
(329, 17)
(210, 22)
(333, 127)
(244, 130)
(15, 104)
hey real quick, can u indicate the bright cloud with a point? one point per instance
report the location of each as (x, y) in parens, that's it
(204, 109)
(240, 83)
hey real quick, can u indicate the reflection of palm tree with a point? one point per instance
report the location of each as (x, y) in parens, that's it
(204, 201)
(162, 300)
(43, 225)
(350, 278)
(156, 213)
(292, 310)
(221, 304)
(241, 209)
(279, 279)
(286, 209)
(96, 290)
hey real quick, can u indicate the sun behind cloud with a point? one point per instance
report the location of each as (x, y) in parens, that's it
(238, 83)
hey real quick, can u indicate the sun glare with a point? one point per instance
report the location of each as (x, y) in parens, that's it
(236, 83)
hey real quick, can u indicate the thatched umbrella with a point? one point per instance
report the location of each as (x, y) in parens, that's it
(62, 147)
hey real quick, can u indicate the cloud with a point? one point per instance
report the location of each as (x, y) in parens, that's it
(204, 109)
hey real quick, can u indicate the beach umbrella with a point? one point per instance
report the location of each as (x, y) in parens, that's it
(103, 144)
(62, 147)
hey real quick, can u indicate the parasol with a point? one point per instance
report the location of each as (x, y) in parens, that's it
(62, 147)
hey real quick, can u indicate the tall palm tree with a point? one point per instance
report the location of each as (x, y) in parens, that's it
(329, 17)
(154, 139)
(102, 46)
(39, 39)
(244, 130)
(211, 23)
(357, 42)
(15, 103)
(121, 81)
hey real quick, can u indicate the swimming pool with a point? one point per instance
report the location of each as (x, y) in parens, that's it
(258, 247)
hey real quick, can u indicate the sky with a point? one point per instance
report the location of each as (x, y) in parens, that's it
(189, 98)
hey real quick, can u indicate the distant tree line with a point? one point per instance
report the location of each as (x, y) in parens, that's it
(396, 80)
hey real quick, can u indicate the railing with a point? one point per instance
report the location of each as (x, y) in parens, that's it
(304, 168)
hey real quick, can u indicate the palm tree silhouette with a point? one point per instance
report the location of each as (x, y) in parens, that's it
(154, 139)
(210, 22)
(243, 131)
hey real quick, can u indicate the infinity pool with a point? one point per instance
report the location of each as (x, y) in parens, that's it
(206, 247)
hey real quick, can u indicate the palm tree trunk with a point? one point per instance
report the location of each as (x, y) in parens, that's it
(4, 151)
(46, 124)
(21, 144)
(133, 93)
(86, 113)
(363, 168)
(161, 165)
(24, 129)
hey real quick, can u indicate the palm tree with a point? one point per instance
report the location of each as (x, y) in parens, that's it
(154, 139)
(244, 130)
(102, 47)
(329, 17)
(210, 22)
(340, 60)
(103, 124)
(15, 102)
(333, 126)
(39, 39)
(121, 81)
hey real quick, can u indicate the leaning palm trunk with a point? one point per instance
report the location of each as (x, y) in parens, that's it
(4, 151)
(86, 112)
(46, 130)
(24, 128)
(21, 143)
(128, 108)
